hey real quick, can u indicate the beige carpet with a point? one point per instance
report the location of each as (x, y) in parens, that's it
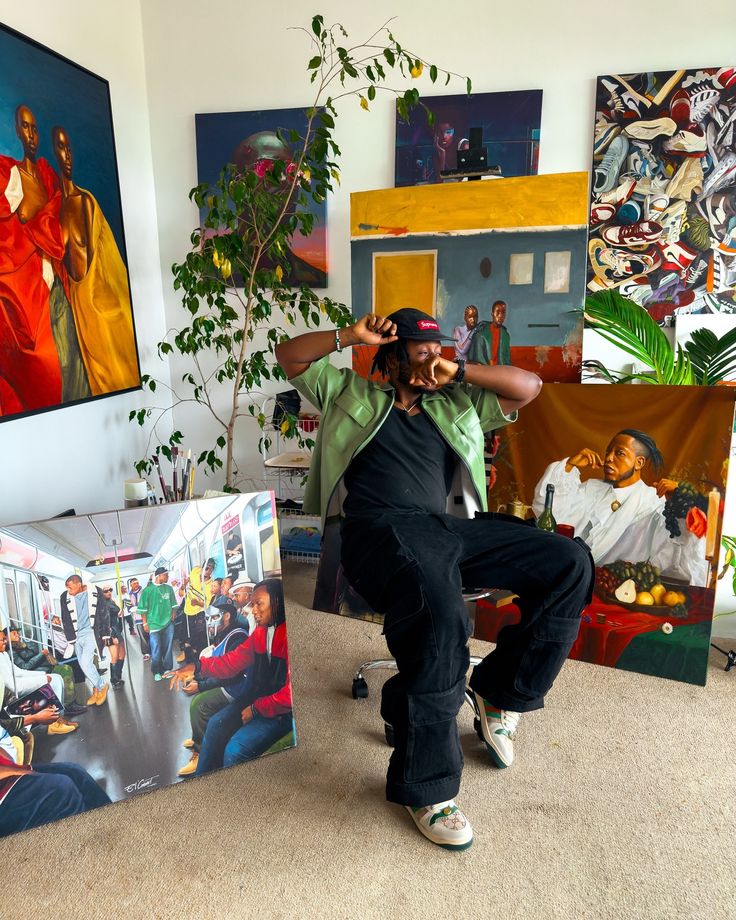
(620, 805)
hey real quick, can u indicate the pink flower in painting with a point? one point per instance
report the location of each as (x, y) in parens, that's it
(261, 167)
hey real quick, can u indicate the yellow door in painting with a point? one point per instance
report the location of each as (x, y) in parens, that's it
(404, 279)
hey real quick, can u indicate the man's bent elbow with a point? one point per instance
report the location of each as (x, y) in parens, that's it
(532, 388)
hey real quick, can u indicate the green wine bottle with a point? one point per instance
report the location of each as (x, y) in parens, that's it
(546, 520)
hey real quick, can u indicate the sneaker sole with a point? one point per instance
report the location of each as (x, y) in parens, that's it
(495, 756)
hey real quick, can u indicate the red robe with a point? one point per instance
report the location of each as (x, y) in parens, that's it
(30, 375)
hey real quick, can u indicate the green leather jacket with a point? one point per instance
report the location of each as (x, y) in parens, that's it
(353, 409)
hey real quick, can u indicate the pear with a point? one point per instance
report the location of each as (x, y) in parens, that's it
(626, 592)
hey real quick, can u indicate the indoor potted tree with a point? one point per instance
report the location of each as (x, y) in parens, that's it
(234, 281)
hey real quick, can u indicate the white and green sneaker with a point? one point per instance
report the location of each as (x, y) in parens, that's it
(443, 824)
(497, 730)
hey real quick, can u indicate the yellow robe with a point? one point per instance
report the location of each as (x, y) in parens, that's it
(103, 313)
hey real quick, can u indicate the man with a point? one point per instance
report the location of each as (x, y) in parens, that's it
(464, 334)
(157, 606)
(403, 449)
(130, 603)
(86, 623)
(234, 553)
(213, 694)
(241, 593)
(442, 149)
(199, 592)
(97, 283)
(30, 239)
(491, 343)
(17, 682)
(25, 657)
(117, 646)
(31, 796)
(620, 516)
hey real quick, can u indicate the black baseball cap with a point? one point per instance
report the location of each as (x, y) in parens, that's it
(418, 326)
(161, 570)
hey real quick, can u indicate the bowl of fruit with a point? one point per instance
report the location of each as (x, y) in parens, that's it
(638, 586)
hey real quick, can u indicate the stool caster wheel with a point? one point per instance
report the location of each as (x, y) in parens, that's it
(360, 688)
(388, 730)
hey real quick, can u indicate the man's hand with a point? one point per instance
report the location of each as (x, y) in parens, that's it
(247, 715)
(665, 487)
(191, 688)
(434, 373)
(587, 458)
(181, 677)
(371, 330)
(44, 717)
(145, 626)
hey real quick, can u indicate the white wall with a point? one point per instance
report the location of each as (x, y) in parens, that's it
(78, 456)
(239, 56)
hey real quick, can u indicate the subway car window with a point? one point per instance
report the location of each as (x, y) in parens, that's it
(10, 601)
(26, 606)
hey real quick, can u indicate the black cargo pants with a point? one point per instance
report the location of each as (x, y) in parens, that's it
(412, 568)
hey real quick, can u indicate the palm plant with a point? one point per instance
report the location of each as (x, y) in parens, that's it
(705, 360)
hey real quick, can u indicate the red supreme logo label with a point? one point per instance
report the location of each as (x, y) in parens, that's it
(427, 324)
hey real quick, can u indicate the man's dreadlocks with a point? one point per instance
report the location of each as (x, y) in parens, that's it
(397, 349)
(646, 447)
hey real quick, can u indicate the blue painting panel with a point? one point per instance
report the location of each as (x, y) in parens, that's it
(509, 123)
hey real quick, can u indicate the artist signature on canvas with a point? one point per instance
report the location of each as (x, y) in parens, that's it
(147, 783)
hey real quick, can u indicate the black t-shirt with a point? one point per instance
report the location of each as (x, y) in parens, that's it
(407, 467)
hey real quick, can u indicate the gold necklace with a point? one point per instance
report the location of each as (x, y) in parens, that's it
(403, 406)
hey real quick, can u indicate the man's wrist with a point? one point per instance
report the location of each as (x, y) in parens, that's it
(459, 375)
(347, 337)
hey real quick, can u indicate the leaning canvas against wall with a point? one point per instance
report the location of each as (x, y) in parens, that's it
(138, 648)
(639, 474)
(249, 140)
(500, 263)
(509, 123)
(663, 205)
(66, 319)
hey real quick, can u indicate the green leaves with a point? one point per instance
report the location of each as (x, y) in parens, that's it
(713, 359)
(236, 293)
(628, 326)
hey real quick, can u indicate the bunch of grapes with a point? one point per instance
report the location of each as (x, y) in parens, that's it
(606, 581)
(678, 503)
(647, 575)
(643, 574)
(623, 569)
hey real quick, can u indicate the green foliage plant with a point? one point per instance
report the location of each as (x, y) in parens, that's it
(705, 360)
(234, 281)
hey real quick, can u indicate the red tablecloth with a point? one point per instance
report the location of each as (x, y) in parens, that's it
(601, 643)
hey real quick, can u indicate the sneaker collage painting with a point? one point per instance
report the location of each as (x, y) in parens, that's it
(663, 195)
